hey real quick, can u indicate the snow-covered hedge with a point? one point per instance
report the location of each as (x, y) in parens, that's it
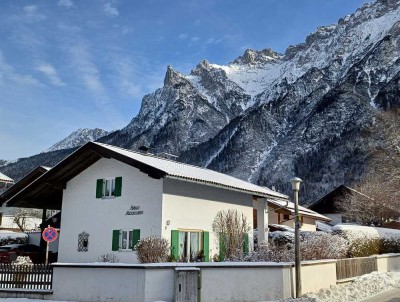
(365, 241)
(9, 237)
(314, 246)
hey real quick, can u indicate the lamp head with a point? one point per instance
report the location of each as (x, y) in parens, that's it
(296, 183)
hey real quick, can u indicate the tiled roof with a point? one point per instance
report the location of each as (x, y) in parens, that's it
(175, 169)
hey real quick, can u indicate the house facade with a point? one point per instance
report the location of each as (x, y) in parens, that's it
(111, 197)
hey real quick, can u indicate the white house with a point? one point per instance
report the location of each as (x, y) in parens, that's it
(111, 197)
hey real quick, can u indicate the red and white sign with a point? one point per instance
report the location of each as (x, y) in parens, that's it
(49, 234)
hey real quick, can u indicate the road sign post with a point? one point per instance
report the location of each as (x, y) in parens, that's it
(49, 234)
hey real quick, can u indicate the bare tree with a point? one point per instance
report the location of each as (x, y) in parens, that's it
(370, 203)
(231, 228)
(376, 199)
(21, 216)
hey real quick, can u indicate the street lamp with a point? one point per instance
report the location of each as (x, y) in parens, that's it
(296, 188)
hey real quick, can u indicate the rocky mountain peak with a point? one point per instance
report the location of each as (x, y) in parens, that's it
(78, 138)
(172, 77)
(251, 56)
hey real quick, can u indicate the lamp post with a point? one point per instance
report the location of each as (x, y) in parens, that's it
(297, 260)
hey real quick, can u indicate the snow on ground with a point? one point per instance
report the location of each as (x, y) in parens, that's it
(363, 287)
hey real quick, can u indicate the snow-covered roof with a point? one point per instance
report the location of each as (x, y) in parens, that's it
(302, 210)
(174, 169)
(5, 178)
(32, 194)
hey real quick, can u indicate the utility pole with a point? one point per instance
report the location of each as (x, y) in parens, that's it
(297, 260)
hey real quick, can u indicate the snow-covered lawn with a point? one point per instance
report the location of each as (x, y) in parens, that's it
(362, 287)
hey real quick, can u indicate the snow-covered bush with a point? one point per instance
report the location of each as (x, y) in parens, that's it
(109, 258)
(9, 237)
(281, 238)
(152, 250)
(313, 246)
(321, 245)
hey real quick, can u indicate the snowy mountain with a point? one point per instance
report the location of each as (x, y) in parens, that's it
(266, 116)
(78, 138)
(3, 162)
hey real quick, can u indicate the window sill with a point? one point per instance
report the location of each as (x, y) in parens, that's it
(108, 197)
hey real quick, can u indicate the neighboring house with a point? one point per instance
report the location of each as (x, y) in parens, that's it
(330, 204)
(5, 182)
(26, 220)
(111, 197)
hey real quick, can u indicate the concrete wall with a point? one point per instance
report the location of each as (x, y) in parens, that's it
(194, 206)
(251, 283)
(316, 275)
(129, 282)
(388, 262)
(223, 282)
(98, 284)
(81, 211)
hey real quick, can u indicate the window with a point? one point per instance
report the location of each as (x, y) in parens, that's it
(125, 240)
(83, 242)
(190, 246)
(286, 217)
(108, 187)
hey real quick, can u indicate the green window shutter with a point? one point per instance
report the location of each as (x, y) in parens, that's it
(99, 188)
(245, 243)
(175, 245)
(118, 186)
(115, 240)
(135, 238)
(222, 249)
(206, 246)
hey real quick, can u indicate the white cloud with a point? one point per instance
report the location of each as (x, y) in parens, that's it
(50, 72)
(124, 77)
(86, 69)
(194, 39)
(183, 36)
(66, 3)
(32, 14)
(110, 10)
(8, 74)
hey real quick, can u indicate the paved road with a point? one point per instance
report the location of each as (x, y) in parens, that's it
(391, 295)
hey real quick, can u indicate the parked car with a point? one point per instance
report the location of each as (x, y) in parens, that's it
(35, 253)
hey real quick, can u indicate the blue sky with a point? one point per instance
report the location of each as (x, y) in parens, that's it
(69, 64)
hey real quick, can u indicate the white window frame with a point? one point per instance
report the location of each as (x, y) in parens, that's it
(128, 235)
(112, 188)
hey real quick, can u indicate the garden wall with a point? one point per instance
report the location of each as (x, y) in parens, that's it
(388, 262)
(226, 281)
